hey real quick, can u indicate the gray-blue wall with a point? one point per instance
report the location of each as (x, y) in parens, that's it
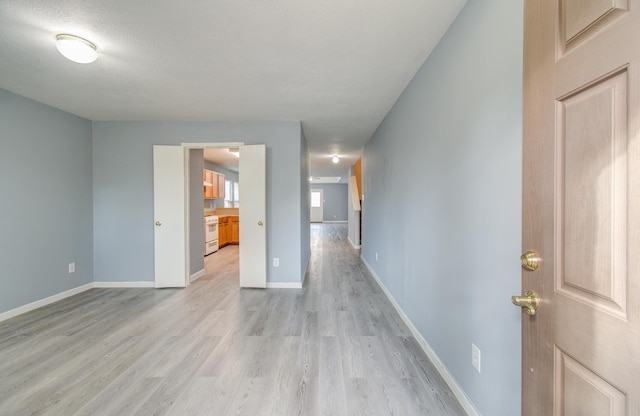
(335, 203)
(196, 212)
(123, 191)
(446, 163)
(46, 208)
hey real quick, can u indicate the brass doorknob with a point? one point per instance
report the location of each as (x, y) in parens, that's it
(158, 223)
(530, 260)
(260, 223)
(530, 301)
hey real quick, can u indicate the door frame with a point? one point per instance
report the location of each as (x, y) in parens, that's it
(187, 160)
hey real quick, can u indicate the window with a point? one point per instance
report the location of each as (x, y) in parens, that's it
(231, 194)
(236, 195)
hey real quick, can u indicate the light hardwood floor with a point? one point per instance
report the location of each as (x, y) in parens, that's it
(335, 347)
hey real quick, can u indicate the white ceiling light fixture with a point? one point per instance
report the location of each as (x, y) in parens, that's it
(234, 151)
(76, 49)
(335, 159)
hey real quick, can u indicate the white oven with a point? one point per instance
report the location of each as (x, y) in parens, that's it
(210, 234)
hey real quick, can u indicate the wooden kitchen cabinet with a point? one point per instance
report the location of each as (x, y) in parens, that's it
(223, 231)
(235, 230)
(213, 184)
(228, 231)
(207, 179)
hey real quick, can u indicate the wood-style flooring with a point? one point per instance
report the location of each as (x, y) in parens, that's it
(335, 347)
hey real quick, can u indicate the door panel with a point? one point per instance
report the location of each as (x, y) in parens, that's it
(169, 213)
(581, 205)
(582, 392)
(580, 17)
(253, 236)
(591, 162)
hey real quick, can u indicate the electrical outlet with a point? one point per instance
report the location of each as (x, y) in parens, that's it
(376, 256)
(276, 262)
(72, 267)
(475, 357)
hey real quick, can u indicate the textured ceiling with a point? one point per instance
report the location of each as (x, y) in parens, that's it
(336, 65)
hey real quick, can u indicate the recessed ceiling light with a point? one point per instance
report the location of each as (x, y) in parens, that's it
(76, 49)
(335, 159)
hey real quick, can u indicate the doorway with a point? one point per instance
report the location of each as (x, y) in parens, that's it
(220, 172)
(172, 178)
(317, 203)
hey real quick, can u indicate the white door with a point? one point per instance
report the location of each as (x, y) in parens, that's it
(253, 235)
(581, 208)
(169, 216)
(317, 202)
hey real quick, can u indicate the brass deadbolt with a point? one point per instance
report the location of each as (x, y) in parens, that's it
(530, 260)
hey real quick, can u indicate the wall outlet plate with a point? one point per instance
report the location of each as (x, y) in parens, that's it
(72, 267)
(276, 262)
(475, 357)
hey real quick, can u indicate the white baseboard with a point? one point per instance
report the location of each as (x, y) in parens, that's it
(196, 276)
(353, 245)
(44, 302)
(122, 284)
(284, 285)
(442, 369)
(67, 293)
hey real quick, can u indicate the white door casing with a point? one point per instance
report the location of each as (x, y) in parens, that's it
(169, 216)
(253, 224)
(317, 205)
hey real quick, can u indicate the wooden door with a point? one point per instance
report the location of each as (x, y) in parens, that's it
(169, 210)
(253, 250)
(581, 207)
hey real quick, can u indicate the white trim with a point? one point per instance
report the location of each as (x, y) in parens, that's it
(355, 246)
(334, 222)
(105, 285)
(284, 285)
(439, 365)
(211, 144)
(44, 302)
(196, 276)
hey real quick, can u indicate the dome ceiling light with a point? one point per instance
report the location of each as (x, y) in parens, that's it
(335, 159)
(76, 49)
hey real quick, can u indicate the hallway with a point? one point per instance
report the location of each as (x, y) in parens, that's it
(335, 347)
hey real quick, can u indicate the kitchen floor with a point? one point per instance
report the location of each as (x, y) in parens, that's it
(223, 261)
(335, 347)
